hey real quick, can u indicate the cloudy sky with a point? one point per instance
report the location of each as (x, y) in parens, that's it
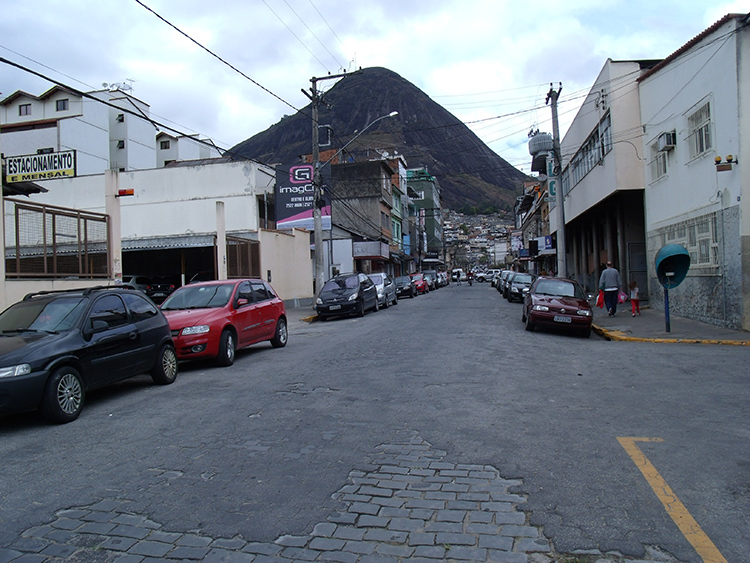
(490, 60)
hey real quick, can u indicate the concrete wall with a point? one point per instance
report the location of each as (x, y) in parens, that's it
(170, 201)
(286, 256)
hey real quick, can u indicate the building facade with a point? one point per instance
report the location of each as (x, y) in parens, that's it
(695, 116)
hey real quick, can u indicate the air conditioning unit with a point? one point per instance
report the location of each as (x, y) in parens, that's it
(666, 141)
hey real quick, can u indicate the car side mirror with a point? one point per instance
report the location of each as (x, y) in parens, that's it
(97, 325)
(241, 302)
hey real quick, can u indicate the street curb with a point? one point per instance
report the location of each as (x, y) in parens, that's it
(621, 336)
(309, 319)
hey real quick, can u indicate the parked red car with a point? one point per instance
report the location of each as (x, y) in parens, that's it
(214, 319)
(420, 283)
(557, 303)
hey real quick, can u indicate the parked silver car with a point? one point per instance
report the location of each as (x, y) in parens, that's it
(386, 289)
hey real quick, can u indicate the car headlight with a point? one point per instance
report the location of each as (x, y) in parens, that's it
(319, 301)
(540, 308)
(13, 371)
(198, 329)
(353, 296)
(584, 312)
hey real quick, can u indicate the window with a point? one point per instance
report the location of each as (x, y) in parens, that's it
(592, 152)
(24, 109)
(111, 310)
(120, 144)
(658, 164)
(699, 125)
(164, 145)
(259, 291)
(140, 308)
(62, 105)
(120, 117)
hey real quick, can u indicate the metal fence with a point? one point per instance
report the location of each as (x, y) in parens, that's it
(45, 241)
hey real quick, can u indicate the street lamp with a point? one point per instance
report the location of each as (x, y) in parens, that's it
(317, 218)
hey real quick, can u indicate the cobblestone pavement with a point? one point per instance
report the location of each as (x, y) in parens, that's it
(412, 506)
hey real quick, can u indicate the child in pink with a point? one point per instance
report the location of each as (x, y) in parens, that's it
(635, 298)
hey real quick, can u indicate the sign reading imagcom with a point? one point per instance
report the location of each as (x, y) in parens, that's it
(30, 167)
(295, 198)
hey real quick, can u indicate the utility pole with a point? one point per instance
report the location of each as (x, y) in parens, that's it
(562, 261)
(315, 98)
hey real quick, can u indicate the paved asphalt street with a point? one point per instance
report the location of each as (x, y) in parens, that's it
(434, 430)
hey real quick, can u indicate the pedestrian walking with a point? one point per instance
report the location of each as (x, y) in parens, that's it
(635, 298)
(611, 283)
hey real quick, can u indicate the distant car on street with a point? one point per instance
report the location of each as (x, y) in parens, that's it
(420, 283)
(557, 303)
(214, 319)
(518, 284)
(386, 289)
(405, 287)
(347, 294)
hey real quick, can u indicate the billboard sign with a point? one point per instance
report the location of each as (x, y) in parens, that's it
(30, 167)
(295, 198)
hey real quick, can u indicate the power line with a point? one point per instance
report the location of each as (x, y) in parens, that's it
(238, 71)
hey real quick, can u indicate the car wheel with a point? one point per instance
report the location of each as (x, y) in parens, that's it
(165, 369)
(360, 309)
(227, 348)
(395, 299)
(376, 307)
(282, 334)
(586, 332)
(63, 397)
(529, 325)
(385, 303)
(523, 316)
(322, 317)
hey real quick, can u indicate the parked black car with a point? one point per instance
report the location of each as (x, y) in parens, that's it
(405, 287)
(517, 285)
(57, 345)
(347, 294)
(161, 287)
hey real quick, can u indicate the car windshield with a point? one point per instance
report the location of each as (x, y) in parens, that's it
(199, 297)
(337, 284)
(558, 288)
(403, 280)
(42, 315)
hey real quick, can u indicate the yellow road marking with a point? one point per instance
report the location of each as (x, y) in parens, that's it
(676, 510)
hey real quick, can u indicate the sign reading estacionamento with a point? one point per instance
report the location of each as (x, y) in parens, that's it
(27, 168)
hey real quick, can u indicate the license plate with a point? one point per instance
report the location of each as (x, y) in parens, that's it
(334, 307)
(562, 319)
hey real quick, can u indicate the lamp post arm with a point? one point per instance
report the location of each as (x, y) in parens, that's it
(338, 152)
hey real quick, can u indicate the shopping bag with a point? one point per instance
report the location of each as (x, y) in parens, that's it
(622, 296)
(600, 299)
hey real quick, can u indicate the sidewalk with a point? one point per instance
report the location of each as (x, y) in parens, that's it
(650, 326)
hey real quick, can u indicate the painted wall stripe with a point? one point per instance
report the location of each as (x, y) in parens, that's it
(676, 510)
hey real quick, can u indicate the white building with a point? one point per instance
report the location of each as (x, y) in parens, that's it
(602, 179)
(695, 114)
(171, 148)
(108, 129)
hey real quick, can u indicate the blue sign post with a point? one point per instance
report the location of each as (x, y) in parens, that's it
(672, 265)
